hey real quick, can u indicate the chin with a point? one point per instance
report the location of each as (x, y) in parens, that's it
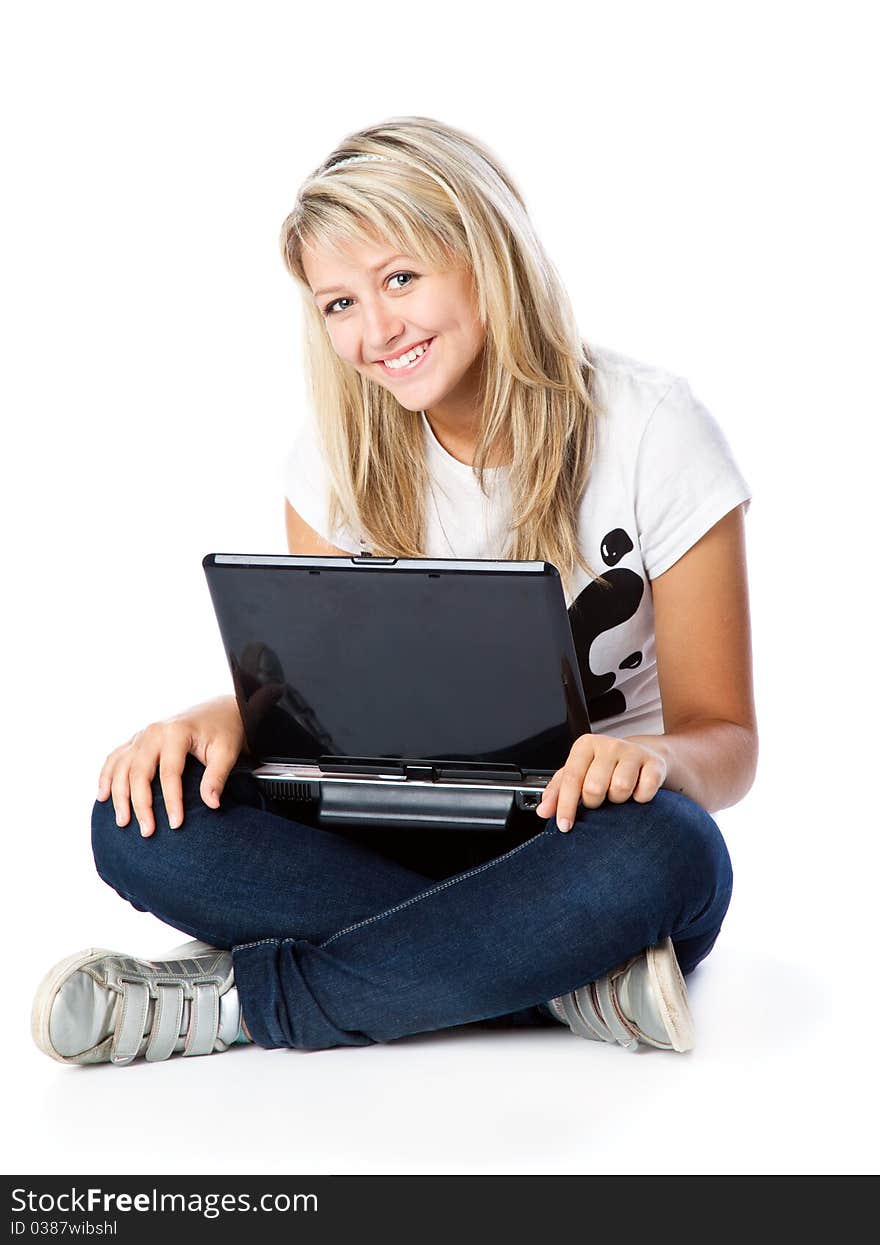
(410, 402)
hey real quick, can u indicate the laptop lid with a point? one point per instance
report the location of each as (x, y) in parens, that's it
(347, 662)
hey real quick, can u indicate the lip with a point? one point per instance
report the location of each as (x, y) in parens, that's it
(414, 368)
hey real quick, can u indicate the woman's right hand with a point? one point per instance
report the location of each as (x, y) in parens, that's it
(212, 732)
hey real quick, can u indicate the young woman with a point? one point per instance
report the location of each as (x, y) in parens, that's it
(458, 414)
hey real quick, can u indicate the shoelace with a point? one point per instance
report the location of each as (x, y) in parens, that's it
(201, 1032)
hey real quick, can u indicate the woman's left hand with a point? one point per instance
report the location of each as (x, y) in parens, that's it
(600, 766)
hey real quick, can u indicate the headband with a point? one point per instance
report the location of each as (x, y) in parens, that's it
(353, 160)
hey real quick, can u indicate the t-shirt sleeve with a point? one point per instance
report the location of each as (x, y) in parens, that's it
(686, 478)
(307, 488)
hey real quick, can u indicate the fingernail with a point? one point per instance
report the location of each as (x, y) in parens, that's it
(174, 821)
(563, 823)
(145, 830)
(540, 810)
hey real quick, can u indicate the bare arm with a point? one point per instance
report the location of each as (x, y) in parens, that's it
(302, 539)
(704, 668)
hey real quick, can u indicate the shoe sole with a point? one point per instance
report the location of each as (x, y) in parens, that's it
(45, 997)
(671, 994)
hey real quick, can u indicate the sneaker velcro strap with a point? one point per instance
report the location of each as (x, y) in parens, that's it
(588, 1004)
(610, 1014)
(132, 1022)
(204, 1020)
(581, 1019)
(166, 1022)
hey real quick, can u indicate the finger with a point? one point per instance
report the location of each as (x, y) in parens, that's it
(547, 807)
(650, 782)
(105, 778)
(220, 756)
(568, 780)
(121, 792)
(623, 781)
(569, 794)
(141, 777)
(172, 760)
(595, 785)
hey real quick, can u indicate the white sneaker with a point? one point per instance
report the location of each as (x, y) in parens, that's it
(642, 1001)
(104, 1006)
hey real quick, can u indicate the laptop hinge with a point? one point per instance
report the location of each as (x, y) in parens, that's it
(422, 770)
(359, 765)
(489, 773)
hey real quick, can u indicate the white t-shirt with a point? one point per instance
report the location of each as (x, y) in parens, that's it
(662, 474)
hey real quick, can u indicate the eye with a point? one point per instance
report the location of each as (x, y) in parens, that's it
(328, 310)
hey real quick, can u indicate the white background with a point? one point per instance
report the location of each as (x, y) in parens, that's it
(702, 177)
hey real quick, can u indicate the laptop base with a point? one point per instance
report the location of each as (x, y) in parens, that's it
(401, 803)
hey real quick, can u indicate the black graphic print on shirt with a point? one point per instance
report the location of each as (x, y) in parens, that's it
(596, 610)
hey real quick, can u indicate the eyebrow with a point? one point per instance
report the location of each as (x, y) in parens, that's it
(384, 264)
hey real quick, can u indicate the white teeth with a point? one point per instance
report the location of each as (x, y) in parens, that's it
(407, 359)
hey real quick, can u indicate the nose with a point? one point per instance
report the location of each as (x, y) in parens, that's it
(383, 328)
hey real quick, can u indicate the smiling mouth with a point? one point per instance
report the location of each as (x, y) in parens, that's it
(403, 369)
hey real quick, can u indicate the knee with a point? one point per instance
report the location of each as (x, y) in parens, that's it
(692, 848)
(137, 866)
(671, 840)
(112, 848)
(120, 853)
(123, 857)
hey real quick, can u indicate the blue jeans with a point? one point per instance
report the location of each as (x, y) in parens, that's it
(350, 938)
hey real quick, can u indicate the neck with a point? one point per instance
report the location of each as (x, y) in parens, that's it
(459, 438)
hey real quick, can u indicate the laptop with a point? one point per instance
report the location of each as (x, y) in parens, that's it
(406, 692)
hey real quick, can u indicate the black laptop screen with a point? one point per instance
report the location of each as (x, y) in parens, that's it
(415, 661)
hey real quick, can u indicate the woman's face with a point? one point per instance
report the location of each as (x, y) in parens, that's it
(377, 305)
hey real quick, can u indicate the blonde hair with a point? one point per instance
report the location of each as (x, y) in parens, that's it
(443, 197)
